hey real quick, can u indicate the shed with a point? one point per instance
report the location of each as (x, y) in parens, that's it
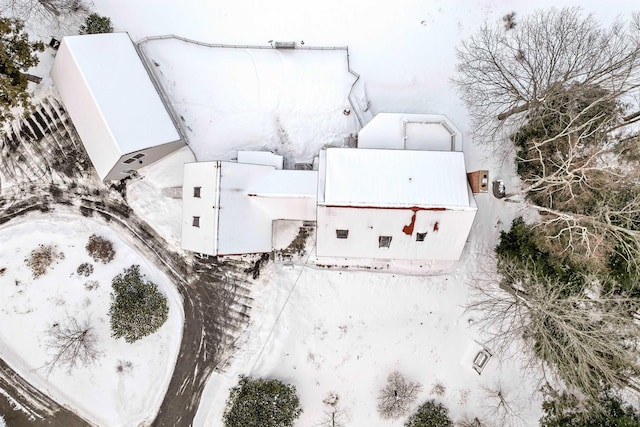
(113, 103)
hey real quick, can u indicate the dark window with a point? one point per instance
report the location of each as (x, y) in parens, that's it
(131, 160)
(196, 191)
(342, 234)
(139, 156)
(420, 237)
(196, 221)
(384, 241)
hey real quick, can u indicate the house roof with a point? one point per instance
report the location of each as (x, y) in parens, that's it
(238, 203)
(110, 97)
(400, 131)
(394, 178)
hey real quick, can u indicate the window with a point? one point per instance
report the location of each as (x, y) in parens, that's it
(134, 158)
(196, 192)
(342, 234)
(420, 237)
(384, 241)
(196, 221)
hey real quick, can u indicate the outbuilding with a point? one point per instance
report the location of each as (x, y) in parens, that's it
(118, 113)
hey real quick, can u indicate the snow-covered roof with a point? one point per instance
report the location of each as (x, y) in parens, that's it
(238, 202)
(110, 97)
(410, 131)
(393, 178)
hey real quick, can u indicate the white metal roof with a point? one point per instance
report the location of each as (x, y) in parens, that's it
(394, 178)
(410, 131)
(110, 97)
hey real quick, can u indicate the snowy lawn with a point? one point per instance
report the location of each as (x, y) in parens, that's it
(345, 332)
(126, 384)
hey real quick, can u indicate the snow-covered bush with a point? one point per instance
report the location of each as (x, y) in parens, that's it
(138, 308)
(90, 285)
(397, 396)
(96, 24)
(100, 249)
(41, 258)
(430, 414)
(262, 403)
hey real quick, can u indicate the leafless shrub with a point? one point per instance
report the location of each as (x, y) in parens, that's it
(91, 285)
(100, 249)
(85, 269)
(438, 389)
(2, 270)
(72, 343)
(397, 396)
(467, 421)
(334, 416)
(40, 259)
(124, 367)
(509, 21)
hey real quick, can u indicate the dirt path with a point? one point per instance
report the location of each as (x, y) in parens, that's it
(216, 293)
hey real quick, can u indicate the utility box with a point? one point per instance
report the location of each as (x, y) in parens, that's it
(284, 45)
(479, 181)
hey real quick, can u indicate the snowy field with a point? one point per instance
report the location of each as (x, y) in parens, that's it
(100, 392)
(321, 330)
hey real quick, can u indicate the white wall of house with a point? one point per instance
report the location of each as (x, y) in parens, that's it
(112, 101)
(201, 200)
(446, 233)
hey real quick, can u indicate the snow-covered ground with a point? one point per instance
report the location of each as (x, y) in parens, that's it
(29, 307)
(322, 330)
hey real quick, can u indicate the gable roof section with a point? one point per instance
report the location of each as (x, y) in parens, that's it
(110, 98)
(237, 203)
(394, 178)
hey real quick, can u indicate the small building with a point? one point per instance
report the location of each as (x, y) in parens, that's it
(393, 204)
(113, 103)
(407, 131)
(230, 208)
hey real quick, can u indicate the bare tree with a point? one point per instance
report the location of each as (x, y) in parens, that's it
(582, 178)
(586, 339)
(72, 343)
(500, 406)
(397, 396)
(505, 72)
(51, 13)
